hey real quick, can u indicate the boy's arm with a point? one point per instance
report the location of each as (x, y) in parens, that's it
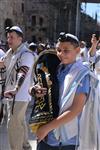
(67, 116)
(92, 50)
(37, 91)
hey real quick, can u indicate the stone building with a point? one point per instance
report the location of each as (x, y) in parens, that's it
(11, 13)
(42, 20)
(39, 15)
(46, 18)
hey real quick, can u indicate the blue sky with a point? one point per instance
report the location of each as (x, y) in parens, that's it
(91, 9)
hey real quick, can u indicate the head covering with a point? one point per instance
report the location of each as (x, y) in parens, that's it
(82, 43)
(63, 37)
(32, 46)
(15, 29)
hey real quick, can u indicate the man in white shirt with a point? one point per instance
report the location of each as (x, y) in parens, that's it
(83, 51)
(19, 63)
(94, 53)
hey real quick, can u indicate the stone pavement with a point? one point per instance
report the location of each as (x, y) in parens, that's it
(4, 144)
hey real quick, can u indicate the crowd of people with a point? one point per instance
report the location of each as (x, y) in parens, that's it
(78, 64)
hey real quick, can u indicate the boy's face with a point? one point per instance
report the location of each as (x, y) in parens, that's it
(67, 52)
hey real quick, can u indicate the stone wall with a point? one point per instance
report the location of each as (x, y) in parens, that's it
(41, 20)
(10, 14)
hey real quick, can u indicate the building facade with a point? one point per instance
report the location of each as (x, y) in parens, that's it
(10, 14)
(47, 18)
(42, 20)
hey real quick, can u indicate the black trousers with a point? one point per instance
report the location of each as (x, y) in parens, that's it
(43, 146)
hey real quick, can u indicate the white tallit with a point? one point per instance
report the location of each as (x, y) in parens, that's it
(89, 138)
(71, 82)
(88, 131)
(10, 60)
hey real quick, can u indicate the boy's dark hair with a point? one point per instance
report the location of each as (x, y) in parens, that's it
(63, 37)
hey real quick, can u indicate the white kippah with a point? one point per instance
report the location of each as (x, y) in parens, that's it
(17, 29)
(72, 36)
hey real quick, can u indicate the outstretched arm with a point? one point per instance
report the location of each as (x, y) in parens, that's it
(94, 42)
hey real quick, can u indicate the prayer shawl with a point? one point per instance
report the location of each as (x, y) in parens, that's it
(98, 104)
(97, 72)
(10, 60)
(89, 137)
(97, 65)
(71, 82)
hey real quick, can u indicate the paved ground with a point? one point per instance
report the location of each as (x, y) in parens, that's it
(4, 144)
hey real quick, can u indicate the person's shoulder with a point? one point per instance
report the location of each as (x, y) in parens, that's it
(27, 54)
(25, 50)
(2, 53)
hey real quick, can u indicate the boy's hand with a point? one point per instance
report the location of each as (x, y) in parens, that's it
(94, 40)
(42, 132)
(10, 94)
(37, 91)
